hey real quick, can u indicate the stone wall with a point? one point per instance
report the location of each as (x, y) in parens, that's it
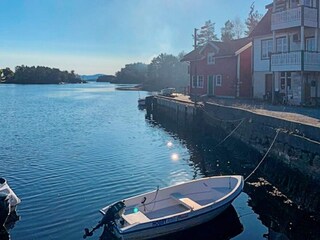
(295, 153)
(294, 159)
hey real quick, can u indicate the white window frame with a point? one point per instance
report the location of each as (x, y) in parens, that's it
(311, 44)
(194, 81)
(218, 79)
(266, 48)
(200, 82)
(308, 3)
(211, 59)
(281, 45)
(197, 81)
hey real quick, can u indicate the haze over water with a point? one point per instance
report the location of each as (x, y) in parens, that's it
(69, 150)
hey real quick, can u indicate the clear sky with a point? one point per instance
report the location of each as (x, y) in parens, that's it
(101, 36)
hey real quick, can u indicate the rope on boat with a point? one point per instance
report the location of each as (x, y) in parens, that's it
(274, 139)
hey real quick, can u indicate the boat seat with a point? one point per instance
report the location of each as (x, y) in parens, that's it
(185, 201)
(137, 217)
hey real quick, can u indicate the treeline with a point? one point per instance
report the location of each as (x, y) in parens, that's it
(165, 70)
(38, 75)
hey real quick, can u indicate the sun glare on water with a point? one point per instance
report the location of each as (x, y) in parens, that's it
(174, 156)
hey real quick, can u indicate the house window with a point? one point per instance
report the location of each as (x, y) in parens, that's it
(308, 3)
(218, 80)
(266, 48)
(310, 44)
(211, 59)
(282, 45)
(294, 3)
(197, 82)
(200, 82)
(194, 81)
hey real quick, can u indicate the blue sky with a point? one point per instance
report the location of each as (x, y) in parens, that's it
(101, 36)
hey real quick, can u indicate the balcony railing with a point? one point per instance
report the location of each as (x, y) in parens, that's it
(295, 61)
(294, 17)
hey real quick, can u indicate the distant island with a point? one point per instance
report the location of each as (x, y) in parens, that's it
(107, 78)
(93, 77)
(164, 71)
(38, 75)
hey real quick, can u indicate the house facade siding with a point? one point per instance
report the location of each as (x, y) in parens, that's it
(222, 76)
(245, 81)
(287, 59)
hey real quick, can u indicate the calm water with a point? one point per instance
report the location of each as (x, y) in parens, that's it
(69, 150)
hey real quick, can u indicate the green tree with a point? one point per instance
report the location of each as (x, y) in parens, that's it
(166, 70)
(207, 33)
(252, 20)
(227, 32)
(132, 73)
(43, 75)
(7, 74)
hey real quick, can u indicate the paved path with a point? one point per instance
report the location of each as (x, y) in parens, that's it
(310, 116)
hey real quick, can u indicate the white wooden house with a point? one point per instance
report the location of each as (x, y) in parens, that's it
(286, 58)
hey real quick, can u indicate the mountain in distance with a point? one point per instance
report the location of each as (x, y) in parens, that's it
(93, 77)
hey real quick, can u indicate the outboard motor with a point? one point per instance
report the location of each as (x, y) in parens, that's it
(114, 212)
(4, 208)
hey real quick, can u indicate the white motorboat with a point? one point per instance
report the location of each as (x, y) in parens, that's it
(11, 197)
(8, 205)
(170, 209)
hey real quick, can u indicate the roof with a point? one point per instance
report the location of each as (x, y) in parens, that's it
(228, 48)
(264, 26)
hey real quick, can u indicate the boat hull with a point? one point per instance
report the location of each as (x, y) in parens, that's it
(169, 228)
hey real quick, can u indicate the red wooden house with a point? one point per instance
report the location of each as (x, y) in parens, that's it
(221, 69)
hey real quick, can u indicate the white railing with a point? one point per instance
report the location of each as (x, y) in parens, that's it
(283, 59)
(295, 61)
(310, 17)
(312, 59)
(293, 18)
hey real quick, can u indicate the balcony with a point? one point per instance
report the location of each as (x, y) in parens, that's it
(295, 61)
(295, 17)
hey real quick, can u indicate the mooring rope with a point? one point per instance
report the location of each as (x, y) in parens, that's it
(230, 133)
(218, 119)
(275, 137)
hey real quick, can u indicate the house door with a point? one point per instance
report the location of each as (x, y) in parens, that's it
(268, 86)
(211, 85)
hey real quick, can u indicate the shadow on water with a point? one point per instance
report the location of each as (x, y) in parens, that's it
(225, 226)
(9, 224)
(283, 218)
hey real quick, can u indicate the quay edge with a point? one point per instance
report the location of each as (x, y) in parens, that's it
(296, 150)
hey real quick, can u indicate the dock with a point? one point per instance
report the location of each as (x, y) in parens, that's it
(296, 150)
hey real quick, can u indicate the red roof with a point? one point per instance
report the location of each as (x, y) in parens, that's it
(228, 48)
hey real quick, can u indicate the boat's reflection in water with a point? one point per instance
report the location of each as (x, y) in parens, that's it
(226, 226)
(10, 223)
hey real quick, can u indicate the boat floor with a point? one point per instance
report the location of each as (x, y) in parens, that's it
(174, 209)
(179, 204)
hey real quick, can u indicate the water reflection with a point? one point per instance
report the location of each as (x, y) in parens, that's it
(283, 220)
(9, 224)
